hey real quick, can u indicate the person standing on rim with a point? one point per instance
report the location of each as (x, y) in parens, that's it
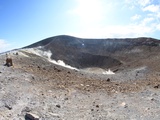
(8, 61)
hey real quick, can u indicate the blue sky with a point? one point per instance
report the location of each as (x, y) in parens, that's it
(23, 22)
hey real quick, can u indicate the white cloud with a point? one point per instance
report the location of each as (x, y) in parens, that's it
(158, 15)
(116, 31)
(128, 30)
(136, 3)
(152, 8)
(158, 27)
(3, 45)
(135, 17)
(144, 2)
(91, 14)
(145, 21)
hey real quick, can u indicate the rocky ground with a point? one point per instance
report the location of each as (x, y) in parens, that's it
(34, 88)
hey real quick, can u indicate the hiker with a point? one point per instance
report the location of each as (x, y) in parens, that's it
(8, 61)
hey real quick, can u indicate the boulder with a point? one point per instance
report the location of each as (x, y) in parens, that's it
(31, 116)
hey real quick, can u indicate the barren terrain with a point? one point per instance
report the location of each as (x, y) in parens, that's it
(36, 88)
